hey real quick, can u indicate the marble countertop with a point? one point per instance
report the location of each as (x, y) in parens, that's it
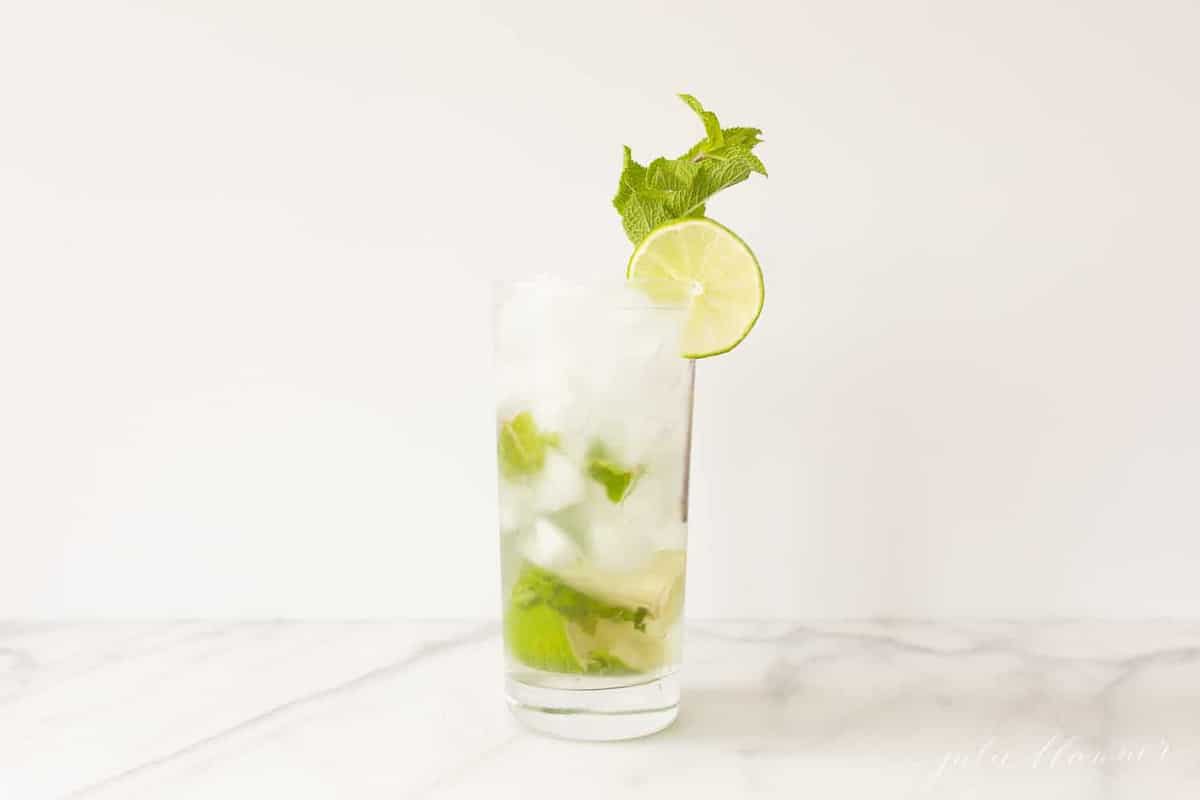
(415, 709)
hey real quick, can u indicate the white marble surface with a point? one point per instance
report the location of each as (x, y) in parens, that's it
(370, 710)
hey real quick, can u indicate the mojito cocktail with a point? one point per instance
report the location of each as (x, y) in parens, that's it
(593, 428)
(593, 436)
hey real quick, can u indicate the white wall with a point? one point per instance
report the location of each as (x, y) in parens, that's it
(245, 247)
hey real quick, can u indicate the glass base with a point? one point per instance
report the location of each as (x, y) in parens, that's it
(596, 715)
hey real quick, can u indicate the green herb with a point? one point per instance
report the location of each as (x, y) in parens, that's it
(669, 189)
(536, 587)
(602, 662)
(616, 479)
(521, 446)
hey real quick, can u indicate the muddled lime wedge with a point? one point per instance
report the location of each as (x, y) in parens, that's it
(537, 636)
(656, 587)
(581, 619)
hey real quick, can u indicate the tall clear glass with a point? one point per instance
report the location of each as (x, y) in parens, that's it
(593, 428)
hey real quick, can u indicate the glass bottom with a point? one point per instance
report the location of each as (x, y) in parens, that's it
(596, 715)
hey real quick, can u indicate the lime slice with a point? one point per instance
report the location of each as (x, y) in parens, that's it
(538, 637)
(656, 587)
(616, 648)
(704, 266)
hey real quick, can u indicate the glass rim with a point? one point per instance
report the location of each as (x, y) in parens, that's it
(608, 293)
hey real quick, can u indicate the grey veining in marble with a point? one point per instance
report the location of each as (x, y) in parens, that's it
(388, 710)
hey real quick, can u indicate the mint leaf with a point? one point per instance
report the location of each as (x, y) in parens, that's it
(669, 189)
(616, 479)
(536, 587)
(712, 127)
(521, 447)
(640, 211)
(742, 137)
(603, 662)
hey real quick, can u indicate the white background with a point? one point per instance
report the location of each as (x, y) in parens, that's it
(245, 250)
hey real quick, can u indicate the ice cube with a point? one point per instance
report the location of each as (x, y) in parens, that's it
(516, 507)
(613, 544)
(548, 546)
(543, 393)
(559, 485)
(670, 535)
(657, 496)
(624, 535)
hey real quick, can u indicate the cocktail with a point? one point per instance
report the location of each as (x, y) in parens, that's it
(593, 440)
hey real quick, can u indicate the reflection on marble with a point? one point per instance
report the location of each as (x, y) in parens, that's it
(395, 710)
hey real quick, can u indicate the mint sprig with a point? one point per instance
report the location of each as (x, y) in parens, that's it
(674, 188)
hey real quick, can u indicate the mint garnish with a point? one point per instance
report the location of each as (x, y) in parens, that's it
(675, 188)
(521, 446)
